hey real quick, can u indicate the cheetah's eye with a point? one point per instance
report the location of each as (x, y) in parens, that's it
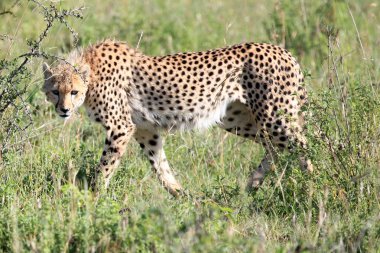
(55, 92)
(74, 92)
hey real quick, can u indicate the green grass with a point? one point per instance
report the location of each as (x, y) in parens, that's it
(44, 202)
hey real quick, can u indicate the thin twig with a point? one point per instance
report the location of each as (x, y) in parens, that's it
(138, 43)
(8, 11)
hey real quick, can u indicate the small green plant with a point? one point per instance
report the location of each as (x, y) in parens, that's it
(303, 27)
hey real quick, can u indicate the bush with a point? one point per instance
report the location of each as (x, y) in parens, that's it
(15, 75)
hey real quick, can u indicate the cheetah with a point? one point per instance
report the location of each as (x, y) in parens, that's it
(253, 90)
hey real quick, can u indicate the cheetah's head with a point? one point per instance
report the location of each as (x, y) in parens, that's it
(66, 87)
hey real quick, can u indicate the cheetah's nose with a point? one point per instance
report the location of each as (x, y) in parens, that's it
(64, 110)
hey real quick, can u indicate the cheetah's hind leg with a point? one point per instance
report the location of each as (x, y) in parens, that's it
(305, 162)
(257, 175)
(239, 120)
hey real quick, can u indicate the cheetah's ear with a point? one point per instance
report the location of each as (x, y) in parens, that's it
(46, 70)
(85, 72)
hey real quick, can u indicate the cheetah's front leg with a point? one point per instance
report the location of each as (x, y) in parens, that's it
(151, 143)
(115, 144)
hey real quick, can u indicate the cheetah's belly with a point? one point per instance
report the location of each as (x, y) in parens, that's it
(179, 120)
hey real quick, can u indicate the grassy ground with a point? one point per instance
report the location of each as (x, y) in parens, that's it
(44, 204)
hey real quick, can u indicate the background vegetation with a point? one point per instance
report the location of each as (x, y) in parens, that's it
(44, 202)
